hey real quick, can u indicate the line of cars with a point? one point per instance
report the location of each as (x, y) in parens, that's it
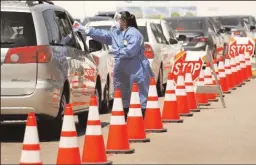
(45, 64)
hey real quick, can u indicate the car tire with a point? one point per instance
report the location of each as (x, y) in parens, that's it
(52, 128)
(106, 104)
(98, 97)
(160, 85)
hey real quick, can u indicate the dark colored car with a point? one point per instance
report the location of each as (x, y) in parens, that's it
(235, 23)
(199, 31)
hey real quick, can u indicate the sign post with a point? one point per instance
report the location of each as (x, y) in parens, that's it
(212, 88)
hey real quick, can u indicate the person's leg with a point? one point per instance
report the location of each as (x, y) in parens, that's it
(126, 110)
(143, 85)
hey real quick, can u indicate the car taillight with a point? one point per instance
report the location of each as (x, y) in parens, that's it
(30, 54)
(236, 32)
(96, 60)
(148, 51)
(200, 39)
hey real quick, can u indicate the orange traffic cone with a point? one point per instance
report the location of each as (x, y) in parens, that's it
(233, 73)
(135, 123)
(170, 112)
(222, 75)
(238, 68)
(75, 82)
(182, 99)
(208, 81)
(248, 66)
(68, 152)
(153, 120)
(117, 135)
(228, 73)
(30, 153)
(94, 149)
(192, 105)
(201, 98)
(243, 67)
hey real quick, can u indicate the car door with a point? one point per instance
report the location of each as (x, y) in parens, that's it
(165, 52)
(74, 57)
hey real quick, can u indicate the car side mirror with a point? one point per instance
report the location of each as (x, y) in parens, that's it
(221, 31)
(94, 46)
(182, 38)
(173, 41)
(252, 28)
(227, 29)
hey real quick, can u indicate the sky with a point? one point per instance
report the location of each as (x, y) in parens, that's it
(80, 9)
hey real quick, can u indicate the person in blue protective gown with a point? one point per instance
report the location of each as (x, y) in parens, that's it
(131, 66)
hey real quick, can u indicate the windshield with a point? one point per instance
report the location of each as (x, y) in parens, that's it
(17, 30)
(229, 21)
(186, 24)
(142, 29)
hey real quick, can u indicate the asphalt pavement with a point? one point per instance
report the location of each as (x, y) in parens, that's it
(214, 135)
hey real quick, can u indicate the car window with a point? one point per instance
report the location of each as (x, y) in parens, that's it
(210, 26)
(17, 30)
(154, 30)
(229, 21)
(170, 31)
(66, 32)
(54, 35)
(160, 34)
(186, 24)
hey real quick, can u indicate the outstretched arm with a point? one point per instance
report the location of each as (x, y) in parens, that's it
(103, 36)
(134, 43)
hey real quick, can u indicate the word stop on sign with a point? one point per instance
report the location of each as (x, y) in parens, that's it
(182, 66)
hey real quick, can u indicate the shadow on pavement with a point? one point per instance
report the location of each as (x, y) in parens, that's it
(15, 133)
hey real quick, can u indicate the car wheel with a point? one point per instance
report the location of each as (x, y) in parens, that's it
(160, 85)
(52, 128)
(106, 105)
(98, 97)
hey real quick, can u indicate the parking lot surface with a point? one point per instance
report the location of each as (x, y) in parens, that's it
(214, 135)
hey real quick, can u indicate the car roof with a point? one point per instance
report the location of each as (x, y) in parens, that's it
(22, 6)
(187, 17)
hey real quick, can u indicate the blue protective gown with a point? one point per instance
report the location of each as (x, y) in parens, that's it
(130, 63)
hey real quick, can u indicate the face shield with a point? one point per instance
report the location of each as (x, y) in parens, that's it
(116, 21)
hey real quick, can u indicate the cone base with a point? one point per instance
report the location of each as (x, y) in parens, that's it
(156, 130)
(219, 95)
(186, 114)
(213, 100)
(129, 151)
(139, 140)
(195, 110)
(234, 88)
(227, 92)
(172, 121)
(107, 162)
(248, 80)
(204, 104)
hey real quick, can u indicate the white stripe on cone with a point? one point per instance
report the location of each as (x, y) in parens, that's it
(207, 72)
(30, 156)
(31, 135)
(67, 126)
(117, 120)
(135, 112)
(93, 130)
(152, 90)
(189, 88)
(181, 92)
(135, 99)
(221, 67)
(170, 97)
(152, 104)
(170, 85)
(68, 142)
(117, 105)
(200, 83)
(93, 113)
(227, 65)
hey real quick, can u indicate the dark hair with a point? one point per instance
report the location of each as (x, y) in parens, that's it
(129, 18)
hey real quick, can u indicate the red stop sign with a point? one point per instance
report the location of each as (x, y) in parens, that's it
(235, 49)
(181, 64)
